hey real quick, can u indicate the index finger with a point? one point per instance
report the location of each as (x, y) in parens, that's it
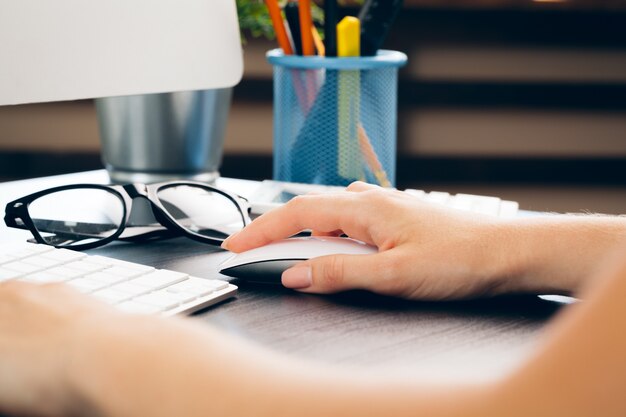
(322, 212)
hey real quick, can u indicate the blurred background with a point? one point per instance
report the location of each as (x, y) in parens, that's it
(521, 99)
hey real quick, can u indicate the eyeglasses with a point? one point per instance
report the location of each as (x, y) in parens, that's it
(85, 216)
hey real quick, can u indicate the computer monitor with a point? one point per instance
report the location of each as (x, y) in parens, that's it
(74, 49)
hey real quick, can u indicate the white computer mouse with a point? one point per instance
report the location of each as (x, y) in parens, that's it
(267, 263)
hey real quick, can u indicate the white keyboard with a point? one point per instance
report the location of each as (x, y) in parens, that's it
(492, 206)
(272, 194)
(129, 286)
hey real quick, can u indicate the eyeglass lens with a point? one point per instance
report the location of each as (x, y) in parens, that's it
(201, 211)
(77, 216)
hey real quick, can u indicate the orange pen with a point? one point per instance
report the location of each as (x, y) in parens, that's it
(279, 26)
(306, 22)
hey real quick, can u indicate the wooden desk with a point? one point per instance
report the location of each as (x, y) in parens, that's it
(461, 340)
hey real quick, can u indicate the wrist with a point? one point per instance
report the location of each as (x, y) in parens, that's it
(555, 254)
(502, 265)
(521, 260)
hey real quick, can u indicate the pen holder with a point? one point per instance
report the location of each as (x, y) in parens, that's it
(335, 118)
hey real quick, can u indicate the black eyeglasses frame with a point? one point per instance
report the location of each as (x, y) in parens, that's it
(18, 209)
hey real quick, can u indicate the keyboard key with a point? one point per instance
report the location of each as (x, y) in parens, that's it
(22, 267)
(160, 299)
(19, 251)
(100, 260)
(508, 209)
(5, 259)
(138, 308)
(132, 289)
(182, 297)
(194, 286)
(64, 255)
(7, 274)
(66, 272)
(110, 295)
(121, 271)
(38, 248)
(85, 267)
(106, 278)
(476, 204)
(86, 285)
(43, 277)
(216, 284)
(159, 279)
(416, 193)
(42, 261)
(131, 265)
(438, 197)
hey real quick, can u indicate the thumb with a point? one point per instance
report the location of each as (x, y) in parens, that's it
(328, 274)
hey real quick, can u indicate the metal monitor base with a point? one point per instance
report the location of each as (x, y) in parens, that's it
(127, 177)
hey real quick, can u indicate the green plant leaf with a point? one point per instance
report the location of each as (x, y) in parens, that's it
(255, 20)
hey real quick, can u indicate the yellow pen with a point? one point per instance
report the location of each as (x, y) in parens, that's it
(349, 37)
(349, 163)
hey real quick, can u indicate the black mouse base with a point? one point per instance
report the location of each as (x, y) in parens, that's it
(266, 272)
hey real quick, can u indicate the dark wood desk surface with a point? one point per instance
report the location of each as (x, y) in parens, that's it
(477, 339)
(460, 340)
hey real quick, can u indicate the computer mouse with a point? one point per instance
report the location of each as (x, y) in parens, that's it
(267, 263)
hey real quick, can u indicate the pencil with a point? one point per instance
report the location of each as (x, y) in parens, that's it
(317, 39)
(368, 152)
(306, 22)
(293, 20)
(330, 27)
(279, 26)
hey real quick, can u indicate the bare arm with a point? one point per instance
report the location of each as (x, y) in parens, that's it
(431, 252)
(174, 367)
(83, 357)
(581, 368)
(117, 365)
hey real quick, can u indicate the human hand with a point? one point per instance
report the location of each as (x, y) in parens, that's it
(40, 330)
(426, 251)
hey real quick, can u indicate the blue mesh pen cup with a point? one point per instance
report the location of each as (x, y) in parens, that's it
(335, 118)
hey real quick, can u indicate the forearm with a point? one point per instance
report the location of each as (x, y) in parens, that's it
(158, 368)
(556, 254)
(581, 368)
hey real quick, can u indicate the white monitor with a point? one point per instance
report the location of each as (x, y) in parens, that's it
(53, 50)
